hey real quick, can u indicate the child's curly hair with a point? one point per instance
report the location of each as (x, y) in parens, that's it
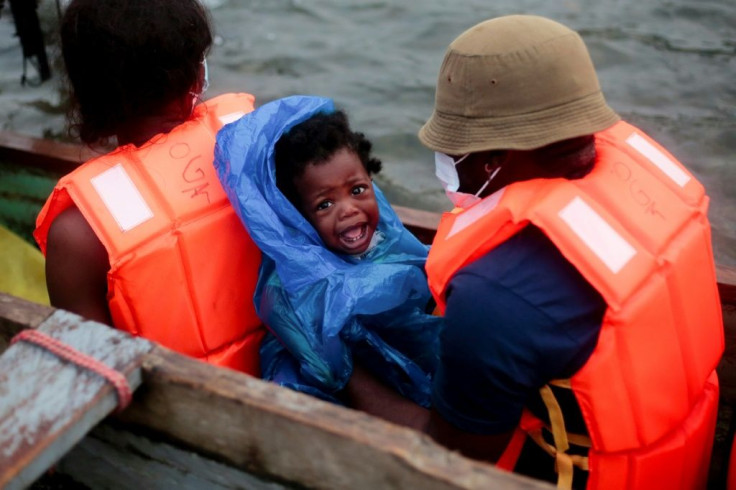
(315, 141)
(128, 59)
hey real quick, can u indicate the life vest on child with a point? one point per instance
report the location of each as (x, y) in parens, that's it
(182, 266)
(636, 229)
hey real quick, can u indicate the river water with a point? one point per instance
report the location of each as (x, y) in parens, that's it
(667, 66)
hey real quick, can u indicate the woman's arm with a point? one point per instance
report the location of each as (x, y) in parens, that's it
(76, 267)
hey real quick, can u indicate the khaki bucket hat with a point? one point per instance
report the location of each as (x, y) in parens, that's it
(516, 82)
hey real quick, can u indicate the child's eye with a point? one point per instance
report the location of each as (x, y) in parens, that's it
(324, 205)
(359, 189)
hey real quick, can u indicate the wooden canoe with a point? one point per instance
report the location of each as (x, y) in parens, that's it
(192, 425)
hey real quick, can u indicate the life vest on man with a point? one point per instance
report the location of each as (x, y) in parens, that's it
(636, 229)
(182, 266)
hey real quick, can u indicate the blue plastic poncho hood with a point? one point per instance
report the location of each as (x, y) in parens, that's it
(325, 308)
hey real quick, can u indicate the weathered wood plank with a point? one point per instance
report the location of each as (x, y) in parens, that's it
(48, 404)
(423, 224)
(284, 435)
(61, 158)
(49, 155)
(116, 458)
(17, 315)
(239, 421)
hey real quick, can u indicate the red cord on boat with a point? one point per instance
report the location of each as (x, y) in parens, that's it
(115, 378)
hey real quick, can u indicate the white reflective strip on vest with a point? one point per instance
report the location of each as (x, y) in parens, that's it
(232, 117)
(121, 197)
(597, 234)
(659, 159)
(467, 218)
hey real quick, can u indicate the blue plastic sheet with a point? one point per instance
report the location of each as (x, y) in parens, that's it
(323, 308)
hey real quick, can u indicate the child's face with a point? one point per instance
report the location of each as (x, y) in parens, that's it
(337, 199)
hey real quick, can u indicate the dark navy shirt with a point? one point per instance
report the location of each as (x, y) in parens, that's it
(515, 318)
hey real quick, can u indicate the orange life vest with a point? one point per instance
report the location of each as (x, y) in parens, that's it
(182, 267)
(636, 229)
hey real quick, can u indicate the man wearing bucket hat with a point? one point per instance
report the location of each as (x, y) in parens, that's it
(575, 274)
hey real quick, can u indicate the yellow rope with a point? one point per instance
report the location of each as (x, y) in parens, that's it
(562, 383)
(555, 419)
(564, 462)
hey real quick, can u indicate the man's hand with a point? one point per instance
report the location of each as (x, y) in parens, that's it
(484, 447)
(365, 392)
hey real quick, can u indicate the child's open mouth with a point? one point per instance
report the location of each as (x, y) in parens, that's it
(355, 238)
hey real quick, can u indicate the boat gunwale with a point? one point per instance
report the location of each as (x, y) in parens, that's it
(60, 158)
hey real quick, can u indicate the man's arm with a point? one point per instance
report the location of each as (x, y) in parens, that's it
(365, 392)
(76, 267)
(477, 446)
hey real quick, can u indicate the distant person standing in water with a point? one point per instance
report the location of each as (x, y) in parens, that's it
(576, 275)
(144, 237)
(28, 30)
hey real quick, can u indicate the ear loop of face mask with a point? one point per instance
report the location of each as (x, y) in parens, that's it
(464, 201)
(490, 178)
(205, 83)
(446, 172)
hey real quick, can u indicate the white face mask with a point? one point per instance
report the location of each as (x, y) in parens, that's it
(445, 170)
(447, 174)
